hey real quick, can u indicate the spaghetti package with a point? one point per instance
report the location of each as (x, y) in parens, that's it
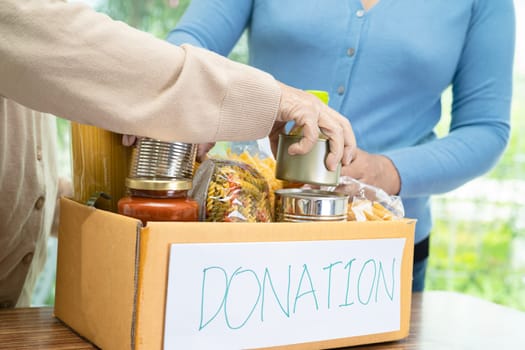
(231, 191)
(100, 166)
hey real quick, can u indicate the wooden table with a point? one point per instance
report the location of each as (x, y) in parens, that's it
(440, 320)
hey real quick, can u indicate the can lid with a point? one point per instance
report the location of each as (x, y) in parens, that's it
(308, 204)
(305, 168)
(322, 95)
(311, 193)
(158, 184)
(313, 218)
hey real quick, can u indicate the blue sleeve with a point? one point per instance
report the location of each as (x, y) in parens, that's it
(480, 123)
(213, 24)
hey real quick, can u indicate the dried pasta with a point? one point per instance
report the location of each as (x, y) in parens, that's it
(362, 209)
(100, 164)
(231, 191)
(265, 166)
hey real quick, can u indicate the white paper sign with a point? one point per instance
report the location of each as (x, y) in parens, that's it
(249, 295)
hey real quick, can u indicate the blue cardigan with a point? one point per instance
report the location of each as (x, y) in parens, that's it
(385, 70)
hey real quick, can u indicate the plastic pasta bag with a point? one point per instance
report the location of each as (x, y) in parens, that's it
(253, 154)
(231, 191)
(369, 203)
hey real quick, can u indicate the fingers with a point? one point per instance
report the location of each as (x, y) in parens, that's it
(358, 168)
(331, 127)
(341, 137)
(202, 151)
(350, 144)
(376, 170)
(310, 133)
(277, 129)
(345, 134)
(128, 140)
(309, 113)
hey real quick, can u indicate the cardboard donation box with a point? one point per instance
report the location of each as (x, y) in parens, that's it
(203, 285)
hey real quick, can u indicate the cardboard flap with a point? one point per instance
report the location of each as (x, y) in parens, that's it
(95, 287)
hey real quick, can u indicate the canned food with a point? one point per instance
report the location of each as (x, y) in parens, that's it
(154, 159)
(306, 205)
(307, 168)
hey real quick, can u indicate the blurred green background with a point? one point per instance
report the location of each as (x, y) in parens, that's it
(478, 240)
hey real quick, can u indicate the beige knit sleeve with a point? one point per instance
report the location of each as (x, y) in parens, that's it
(66, 59)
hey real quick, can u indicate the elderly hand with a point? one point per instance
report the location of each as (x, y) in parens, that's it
(202, 151)
(308, 112)
(374, 169)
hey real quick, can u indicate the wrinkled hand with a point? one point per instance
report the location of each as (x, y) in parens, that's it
(308, 112)
(129, 140)
(374, 169)
(202, 151)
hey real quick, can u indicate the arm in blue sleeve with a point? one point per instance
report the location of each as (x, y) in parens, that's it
(213, 24)
(480, 125)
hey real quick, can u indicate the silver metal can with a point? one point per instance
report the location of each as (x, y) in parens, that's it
(307, 205)
(159, 165)
(307, 168)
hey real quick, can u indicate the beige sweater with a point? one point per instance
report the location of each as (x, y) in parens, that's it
(67, 60)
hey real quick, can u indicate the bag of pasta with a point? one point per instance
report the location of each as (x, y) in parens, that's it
(230, 191)
(369, 203)
(256, 154)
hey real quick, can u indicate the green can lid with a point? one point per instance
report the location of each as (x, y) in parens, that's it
(322, 95)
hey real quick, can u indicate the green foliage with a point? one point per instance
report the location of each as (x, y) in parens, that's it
(154, 16)
(159, 18)
(63, 126)
(476, 258)
(512, 164)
